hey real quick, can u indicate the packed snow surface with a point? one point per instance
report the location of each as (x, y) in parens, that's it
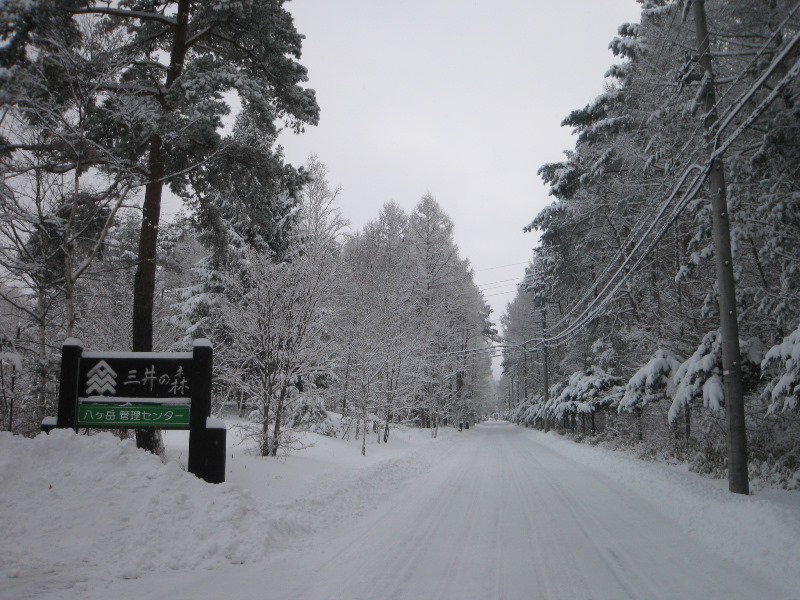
(495, 511)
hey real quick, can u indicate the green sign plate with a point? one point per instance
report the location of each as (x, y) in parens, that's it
(174, 416)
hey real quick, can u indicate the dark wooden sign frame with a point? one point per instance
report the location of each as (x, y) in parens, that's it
(140, 390)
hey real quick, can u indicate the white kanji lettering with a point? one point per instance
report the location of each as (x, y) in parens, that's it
(149, 377)
(179, 383)
(132, 378)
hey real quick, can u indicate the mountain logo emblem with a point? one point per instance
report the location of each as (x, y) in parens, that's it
(101, 379)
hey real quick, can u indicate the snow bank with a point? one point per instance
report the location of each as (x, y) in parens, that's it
(79, 501)
(760, 531)
(88, 507)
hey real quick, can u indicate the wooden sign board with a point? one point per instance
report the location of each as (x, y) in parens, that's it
(138, 390)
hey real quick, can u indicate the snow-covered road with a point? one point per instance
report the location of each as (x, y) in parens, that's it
(499, 514)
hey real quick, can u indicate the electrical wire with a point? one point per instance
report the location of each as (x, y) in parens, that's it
(733, 110)
(605, 296)
(596, 307)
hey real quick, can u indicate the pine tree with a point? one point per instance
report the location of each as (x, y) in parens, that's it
(161, 110)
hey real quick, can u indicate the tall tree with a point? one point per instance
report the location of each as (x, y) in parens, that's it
(61, 189)
(626, 247)
(162, 111)
(272, 315)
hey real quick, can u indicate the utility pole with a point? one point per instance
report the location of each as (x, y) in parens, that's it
(729, 323)
(525, 370)
(546, 394)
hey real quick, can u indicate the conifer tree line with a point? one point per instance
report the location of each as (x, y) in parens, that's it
(106, 107)
(622, 287)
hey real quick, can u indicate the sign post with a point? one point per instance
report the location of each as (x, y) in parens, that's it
(108, 390)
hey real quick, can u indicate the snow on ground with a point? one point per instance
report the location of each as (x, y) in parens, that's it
(92, 514)
(760, 531)
(79, 508)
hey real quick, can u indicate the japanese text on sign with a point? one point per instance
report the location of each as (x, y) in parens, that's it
(116, 415)
(177, 384)
(136, 378)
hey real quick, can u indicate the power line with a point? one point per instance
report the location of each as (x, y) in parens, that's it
(603, 298)
(501, 266)
(635, 233)
(491, 284)
(643, 218)
(515, 288)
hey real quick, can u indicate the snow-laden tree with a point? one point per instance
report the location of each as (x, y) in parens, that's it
(651, 383)
(58, 195)
(700, 376)
(376, 324)
(270, 337)
(392, 307)
(184, 56)
(585, 393)
(371, 328)
(782, 364)
(626, 247)
(272, 316)
(10, 369)
(410, 325)
(166, 86)
(521, 323)
(438, 267)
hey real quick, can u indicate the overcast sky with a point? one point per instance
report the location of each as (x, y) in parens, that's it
(456, 97)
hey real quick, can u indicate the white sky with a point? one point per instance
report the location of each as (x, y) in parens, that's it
(456, 97)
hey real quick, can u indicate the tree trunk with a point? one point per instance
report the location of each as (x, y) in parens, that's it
(145, 278)
(364, 437)
(69, 284)
(266, 385)
(144, 283)
(639, 426)
(41, 370)
(276, 432)
(344, 392)
(687, 421)
(264, 446)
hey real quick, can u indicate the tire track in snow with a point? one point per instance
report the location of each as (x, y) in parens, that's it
(466, 526)
(547, 584)
(455, 471)
(642, 549)
(493, 515)
(585, 519)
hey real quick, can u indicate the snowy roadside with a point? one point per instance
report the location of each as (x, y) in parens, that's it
(760, 531)
(82, 508)
(83, 512)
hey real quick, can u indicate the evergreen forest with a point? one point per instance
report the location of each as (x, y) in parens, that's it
(616, 334)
